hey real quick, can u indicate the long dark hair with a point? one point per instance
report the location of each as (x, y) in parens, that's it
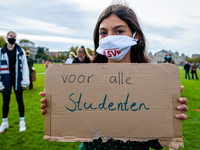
(126, 14)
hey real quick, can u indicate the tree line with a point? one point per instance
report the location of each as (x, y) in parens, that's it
(196, 59)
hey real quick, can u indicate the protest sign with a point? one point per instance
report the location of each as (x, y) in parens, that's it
(127, 101)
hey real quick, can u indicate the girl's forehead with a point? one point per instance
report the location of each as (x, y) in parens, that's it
(112, 21)
(12, 34)
(80, 54)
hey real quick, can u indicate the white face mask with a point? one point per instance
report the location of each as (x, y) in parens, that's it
(81, 58)
(115, 47)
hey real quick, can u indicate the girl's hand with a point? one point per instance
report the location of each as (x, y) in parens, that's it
(183, 107)
(43, 105)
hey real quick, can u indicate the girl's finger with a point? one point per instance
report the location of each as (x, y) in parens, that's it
(181, 116)
(183, 100)
(42, 94)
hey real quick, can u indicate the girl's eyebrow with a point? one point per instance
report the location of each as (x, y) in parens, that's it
(119, 26)
(102, 29)
(114, 27)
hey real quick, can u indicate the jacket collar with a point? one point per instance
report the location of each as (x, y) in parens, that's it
(18, 48)
(3, 50)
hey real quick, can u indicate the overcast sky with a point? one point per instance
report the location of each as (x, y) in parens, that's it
(59, 24)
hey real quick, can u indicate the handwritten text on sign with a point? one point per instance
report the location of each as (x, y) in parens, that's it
(119, 79)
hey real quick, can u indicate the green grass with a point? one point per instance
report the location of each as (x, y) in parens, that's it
(40, 68)
(32, 138)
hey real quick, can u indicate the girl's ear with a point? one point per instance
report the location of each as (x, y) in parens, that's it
(137, 36)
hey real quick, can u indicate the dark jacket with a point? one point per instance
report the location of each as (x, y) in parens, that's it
(21, 70)
(30, 64)
(76, 60)
(169, 61)
(187, 67)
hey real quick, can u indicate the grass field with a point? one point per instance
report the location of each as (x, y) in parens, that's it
(32, 138)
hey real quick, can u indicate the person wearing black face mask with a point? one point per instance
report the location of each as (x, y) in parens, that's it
(168, 59)
(14, 73)
(12, 40)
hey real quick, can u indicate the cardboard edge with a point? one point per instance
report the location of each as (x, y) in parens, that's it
(46, 137)
(169, 142)
(105, 139)
(177, 122)
(125, 139)
(47, 118)
(177, 140)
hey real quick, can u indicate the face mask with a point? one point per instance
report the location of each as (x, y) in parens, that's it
(168, 57)
(115, 47)
(11, 40)
(81, 58)
(70, 56)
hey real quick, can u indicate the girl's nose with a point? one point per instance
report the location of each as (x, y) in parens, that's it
(110, 33)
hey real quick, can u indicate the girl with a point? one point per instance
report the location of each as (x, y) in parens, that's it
(117, 29)
(14, 72)
(72, 56)
(82, 55)
(168, 59)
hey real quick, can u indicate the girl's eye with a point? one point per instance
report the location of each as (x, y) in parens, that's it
(120, 31)
(103, 33)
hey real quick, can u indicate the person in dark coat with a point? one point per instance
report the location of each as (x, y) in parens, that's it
(187, 70)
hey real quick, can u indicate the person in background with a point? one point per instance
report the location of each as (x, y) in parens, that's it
(63, 61)
(194, 70)
(82, 56)
(168, 58)
(187, 70)
(30, 65)
(198, 66)
(47, 64)
(13, 73)
(71, 58)
(118, 26)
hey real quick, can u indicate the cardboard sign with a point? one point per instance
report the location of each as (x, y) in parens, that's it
(120, 101)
